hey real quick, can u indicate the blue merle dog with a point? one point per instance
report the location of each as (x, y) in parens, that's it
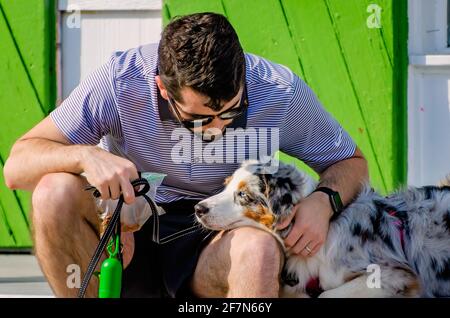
(394, 246)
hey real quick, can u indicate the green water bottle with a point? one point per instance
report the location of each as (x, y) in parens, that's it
(110, 276)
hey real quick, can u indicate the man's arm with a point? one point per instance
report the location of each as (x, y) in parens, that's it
(312, 135)
(66, 141)
(312, 215)
(40, 151)
(346, 177)
(44, 149)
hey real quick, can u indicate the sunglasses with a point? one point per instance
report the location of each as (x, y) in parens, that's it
(203, 120)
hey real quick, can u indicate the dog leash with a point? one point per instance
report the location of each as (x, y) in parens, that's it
(114, 227)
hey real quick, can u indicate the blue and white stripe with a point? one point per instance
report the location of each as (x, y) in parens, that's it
(117, 106)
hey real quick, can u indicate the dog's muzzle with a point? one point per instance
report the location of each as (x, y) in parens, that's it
(201, 209)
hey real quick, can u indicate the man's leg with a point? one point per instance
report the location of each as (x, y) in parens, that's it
(65, 230)
(244, 262)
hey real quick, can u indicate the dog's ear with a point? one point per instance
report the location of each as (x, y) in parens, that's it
(285, 188)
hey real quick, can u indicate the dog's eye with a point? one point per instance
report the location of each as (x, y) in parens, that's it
(242, 194)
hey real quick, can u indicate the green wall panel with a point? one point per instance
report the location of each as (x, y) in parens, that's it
(358, 73)
(32, 26)
(27, 95)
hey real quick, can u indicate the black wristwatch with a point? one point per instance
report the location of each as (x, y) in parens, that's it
(335, 200)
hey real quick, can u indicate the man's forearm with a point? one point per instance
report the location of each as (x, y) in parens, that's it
(31, 159)
(346, 177)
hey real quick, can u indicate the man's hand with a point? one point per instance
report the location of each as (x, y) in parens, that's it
(312, 219)
(110, 174)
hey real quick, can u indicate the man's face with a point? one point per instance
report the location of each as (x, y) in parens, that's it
(193, 105)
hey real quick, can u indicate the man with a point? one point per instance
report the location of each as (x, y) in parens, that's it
(199, 80)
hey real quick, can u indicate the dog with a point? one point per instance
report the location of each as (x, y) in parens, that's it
(403, 238)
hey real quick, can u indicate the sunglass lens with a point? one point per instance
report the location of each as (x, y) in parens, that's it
(198, 122)
(231, 114)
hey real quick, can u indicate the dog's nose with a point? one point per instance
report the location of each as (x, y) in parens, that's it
(201, 209)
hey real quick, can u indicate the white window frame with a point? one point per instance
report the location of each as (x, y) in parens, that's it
(94, 5)
(428, 33)
(428, 56)
(109, 5)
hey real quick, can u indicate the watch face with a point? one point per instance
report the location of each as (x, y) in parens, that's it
(337, 202)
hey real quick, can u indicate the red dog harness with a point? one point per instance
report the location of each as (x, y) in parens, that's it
(400, 226)
(313, 288)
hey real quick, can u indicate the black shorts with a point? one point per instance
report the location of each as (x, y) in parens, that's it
(165, 269)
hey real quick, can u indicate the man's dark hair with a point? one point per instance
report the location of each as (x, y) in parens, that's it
(202, 51)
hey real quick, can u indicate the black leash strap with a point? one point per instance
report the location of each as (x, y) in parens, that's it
(114, 225)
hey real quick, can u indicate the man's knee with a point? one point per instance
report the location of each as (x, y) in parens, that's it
(56, 196)
(240, 255)
(255, 247)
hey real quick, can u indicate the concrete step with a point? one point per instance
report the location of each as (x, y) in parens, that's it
(20, 276)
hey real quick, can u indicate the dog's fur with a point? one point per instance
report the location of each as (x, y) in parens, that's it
(364, 234)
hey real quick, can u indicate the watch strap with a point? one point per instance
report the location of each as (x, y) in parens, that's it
(336, 205)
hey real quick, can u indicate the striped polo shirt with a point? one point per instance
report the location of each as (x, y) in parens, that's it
(119, 108)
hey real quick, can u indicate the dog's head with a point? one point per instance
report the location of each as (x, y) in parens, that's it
(254, 198)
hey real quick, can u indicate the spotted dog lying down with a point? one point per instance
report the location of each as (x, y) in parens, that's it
(406, 234)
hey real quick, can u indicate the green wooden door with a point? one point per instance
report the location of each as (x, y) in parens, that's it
(357, 70)
(27, 94)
